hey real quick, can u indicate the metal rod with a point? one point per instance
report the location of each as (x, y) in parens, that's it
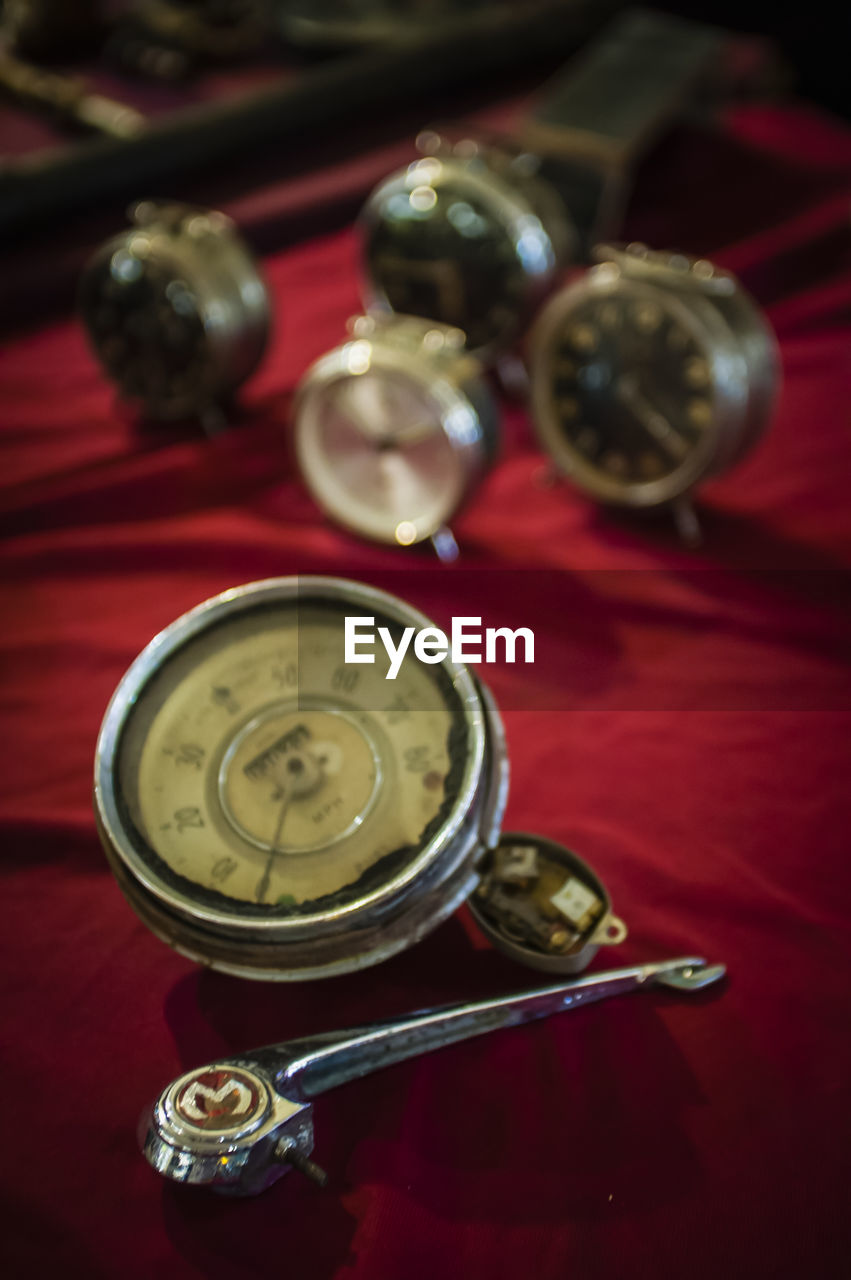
(322, 1062)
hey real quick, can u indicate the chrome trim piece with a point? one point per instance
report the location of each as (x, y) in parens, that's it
(296, 1071)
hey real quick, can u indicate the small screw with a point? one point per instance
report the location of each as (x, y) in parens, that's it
(288, 1152)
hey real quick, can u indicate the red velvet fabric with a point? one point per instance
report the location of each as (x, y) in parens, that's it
(685, 729)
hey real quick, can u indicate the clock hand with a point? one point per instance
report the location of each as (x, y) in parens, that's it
(369, 419)
(403, 437)
(648, 416)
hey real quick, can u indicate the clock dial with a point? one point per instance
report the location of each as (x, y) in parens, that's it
(393, 428)
(632, 387)
(146, 326)
(175, 310)
(374, 451)
(440, 251)
(464, 241)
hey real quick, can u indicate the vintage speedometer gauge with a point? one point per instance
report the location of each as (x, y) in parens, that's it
(468, 235)
(176, 311)
(272, 811)
(649, 374)
(393, 429)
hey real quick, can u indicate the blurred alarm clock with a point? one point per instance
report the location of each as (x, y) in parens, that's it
(475, 231)
(394, 428)
(651, 373)
(176, 311)
(467, 235)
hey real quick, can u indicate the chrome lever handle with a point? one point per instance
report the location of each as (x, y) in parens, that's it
(239, 1123)
(322, 1062)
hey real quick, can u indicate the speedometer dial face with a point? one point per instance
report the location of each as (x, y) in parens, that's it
(277, 810)
(264, 776)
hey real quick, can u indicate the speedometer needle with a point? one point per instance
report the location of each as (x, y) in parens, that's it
(304, 775)
(263, 884)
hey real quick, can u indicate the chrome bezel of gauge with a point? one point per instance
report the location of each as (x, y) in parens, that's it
(202, 248)
(518, 215)
(736, 343)
(352, 935)
(449, 378)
